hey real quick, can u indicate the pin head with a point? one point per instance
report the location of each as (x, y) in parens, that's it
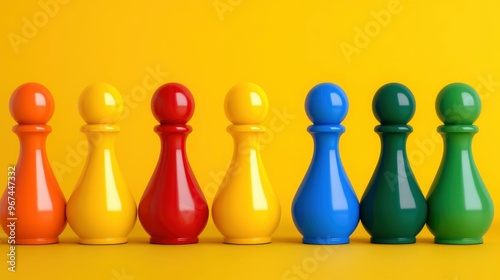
(326, 103)
(100, 103)
(31, 103)
(458, 104)
(393, 104)
(172, 103)
(246, 103)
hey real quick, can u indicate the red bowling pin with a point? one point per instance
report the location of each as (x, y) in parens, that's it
(33, 204)
(173, 209)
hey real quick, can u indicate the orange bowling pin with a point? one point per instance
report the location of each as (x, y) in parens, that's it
(101, 209)
(32, 207)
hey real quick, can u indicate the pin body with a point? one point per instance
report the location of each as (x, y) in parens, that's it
(101, 209)
(246, 210)
(38, 212)
(325, 208)
(173, 209)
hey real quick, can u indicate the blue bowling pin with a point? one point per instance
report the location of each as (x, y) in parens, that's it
(325, 209)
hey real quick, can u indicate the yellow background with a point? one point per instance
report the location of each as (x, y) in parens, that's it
(286, 47)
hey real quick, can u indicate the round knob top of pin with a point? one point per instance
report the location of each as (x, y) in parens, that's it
(326, 103)
(458, 104)
(246, 103)
(31, 103)
(172, 103)
(100, 103)
(393, 104)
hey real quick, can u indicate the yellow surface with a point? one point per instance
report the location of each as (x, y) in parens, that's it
(286, 47)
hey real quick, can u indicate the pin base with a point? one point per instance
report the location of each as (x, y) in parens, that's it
(458, 241)
(173, 241)
(36, 241)
(325, 241)
(103, 241)
(398, 240)
(248, 241)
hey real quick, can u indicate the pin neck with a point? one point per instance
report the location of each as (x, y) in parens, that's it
(393, 143)
(459, 140)
(326, 137)
(31, 128)
(173, 128)
(457, 137)
(332, 128)
(100, 136)
(32, 136)
(246, 139)
(245, 128)
(395, 128)
(457, 129)
(173, 136)
(100, 128)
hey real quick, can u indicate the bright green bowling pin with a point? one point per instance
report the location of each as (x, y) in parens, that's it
(460, 210)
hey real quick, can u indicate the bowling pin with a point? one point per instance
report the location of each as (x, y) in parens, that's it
(173, 209)
(37, 204)
(325, 208)
(393, 209)
(460, 207)
(101, 209)
(245, 209)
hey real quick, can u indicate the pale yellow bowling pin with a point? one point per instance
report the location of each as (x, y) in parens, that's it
(101, 209)
(245, 209)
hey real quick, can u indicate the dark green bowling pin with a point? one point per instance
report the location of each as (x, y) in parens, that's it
(460, 208)
(393, 209)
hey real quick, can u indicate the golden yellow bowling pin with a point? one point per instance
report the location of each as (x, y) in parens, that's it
(101, 209)
(245, 209)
